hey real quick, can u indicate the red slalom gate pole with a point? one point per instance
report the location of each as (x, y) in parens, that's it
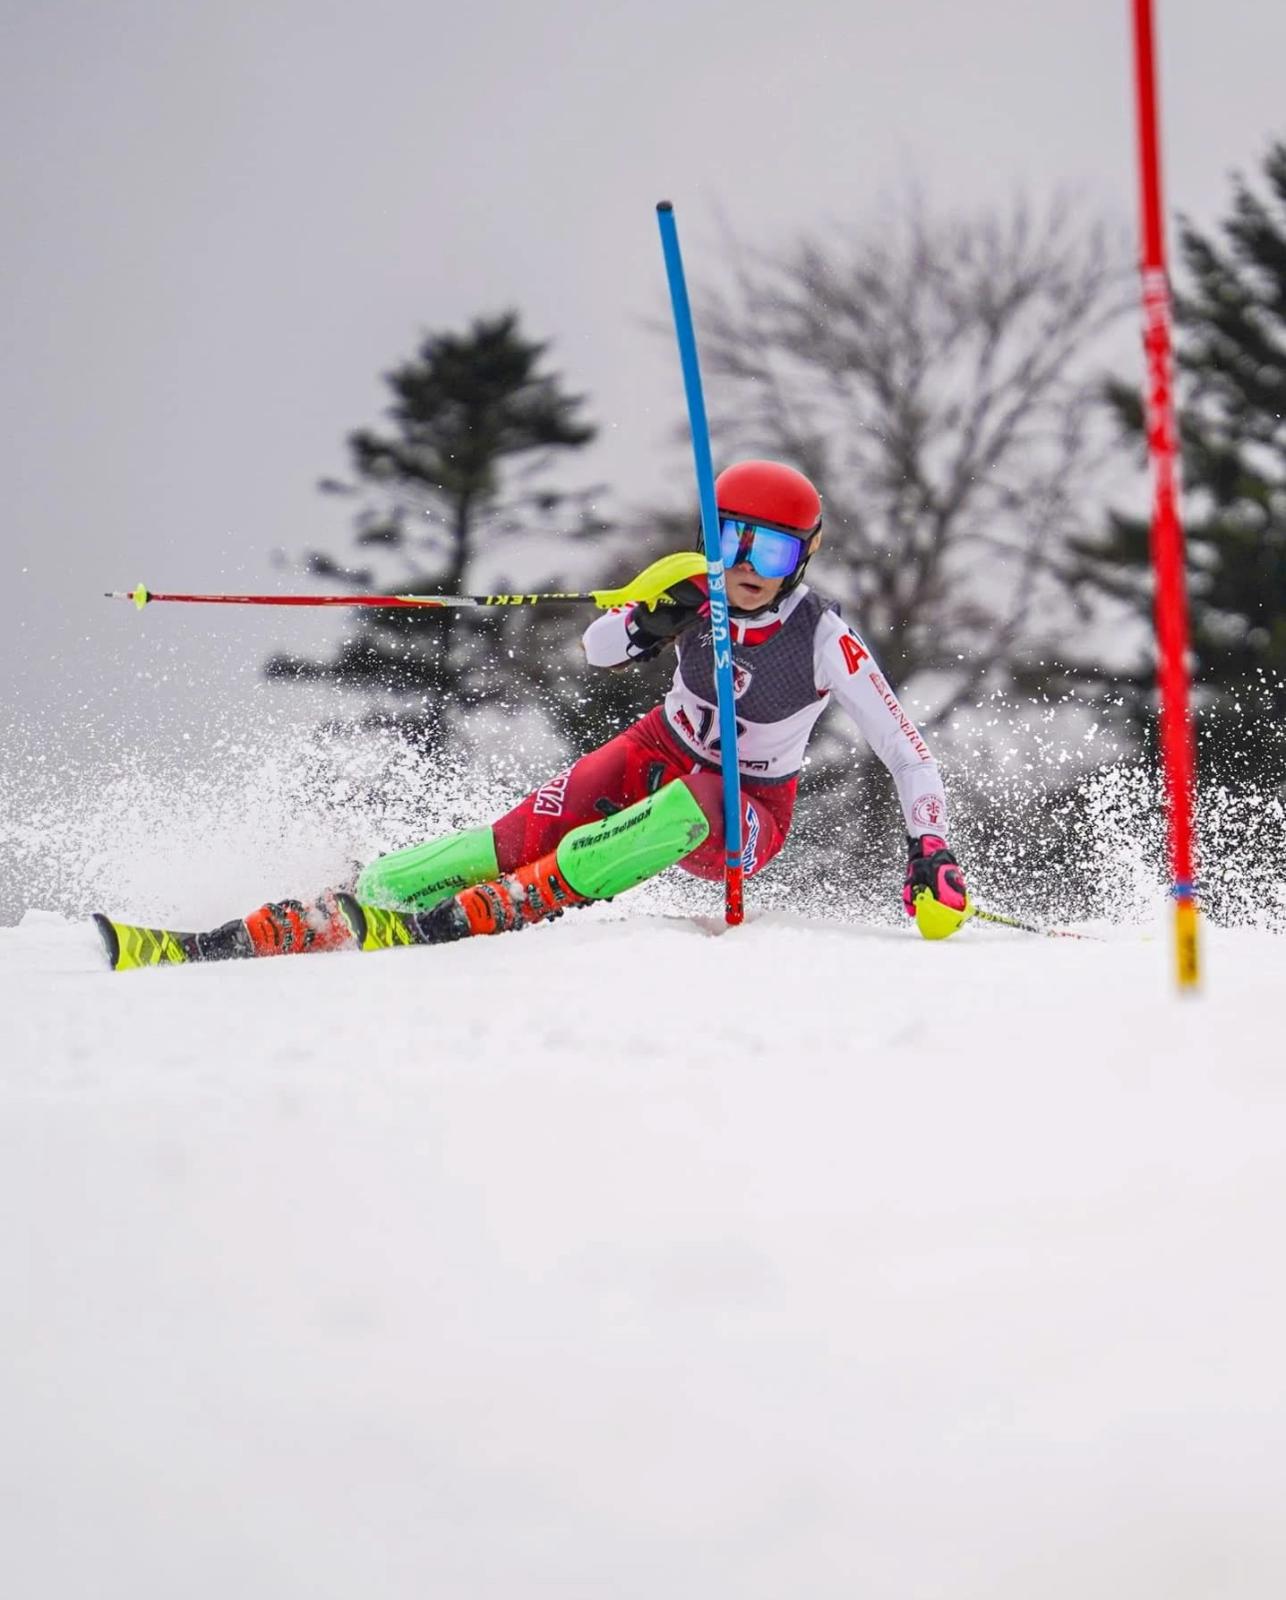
(1178, 748)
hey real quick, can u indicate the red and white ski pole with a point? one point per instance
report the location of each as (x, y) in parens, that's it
(648, 587)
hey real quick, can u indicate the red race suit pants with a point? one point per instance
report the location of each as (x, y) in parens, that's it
(629, 767)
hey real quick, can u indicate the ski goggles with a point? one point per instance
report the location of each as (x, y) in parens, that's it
(772, 552)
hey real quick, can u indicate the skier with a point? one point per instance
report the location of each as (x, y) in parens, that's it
(650, 798)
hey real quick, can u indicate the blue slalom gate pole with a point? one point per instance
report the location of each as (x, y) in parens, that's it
(720, 629)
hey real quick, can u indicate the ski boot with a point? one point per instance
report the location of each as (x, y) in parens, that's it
(534, 893)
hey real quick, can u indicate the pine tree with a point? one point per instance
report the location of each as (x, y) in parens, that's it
(461, 475)
(1231, 362)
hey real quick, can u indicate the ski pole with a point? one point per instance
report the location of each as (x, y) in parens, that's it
(720, 627)
(647, 588)
(1030, 927)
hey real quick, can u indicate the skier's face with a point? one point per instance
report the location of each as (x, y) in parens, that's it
(747, 591)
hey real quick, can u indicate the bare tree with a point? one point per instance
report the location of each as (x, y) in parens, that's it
(941, 380)
(936, 378)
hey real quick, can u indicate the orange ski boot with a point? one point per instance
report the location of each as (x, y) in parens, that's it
(288, 927)
(533, 893)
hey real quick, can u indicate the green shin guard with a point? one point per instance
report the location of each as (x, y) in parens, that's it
(420, 876)
(602, 859)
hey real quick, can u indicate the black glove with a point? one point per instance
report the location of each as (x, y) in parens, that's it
(678, 608)
(933, 867)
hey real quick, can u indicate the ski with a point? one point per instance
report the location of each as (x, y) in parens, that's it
(128, 946)
(279, 928)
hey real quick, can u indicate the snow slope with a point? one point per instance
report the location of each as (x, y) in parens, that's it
(621, 1259)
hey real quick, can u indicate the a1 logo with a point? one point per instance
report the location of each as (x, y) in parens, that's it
(855, 652)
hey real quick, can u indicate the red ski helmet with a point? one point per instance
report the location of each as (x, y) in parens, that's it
(771, 492)
(776, 496)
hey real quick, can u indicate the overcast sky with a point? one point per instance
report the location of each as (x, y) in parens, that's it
(222, 222)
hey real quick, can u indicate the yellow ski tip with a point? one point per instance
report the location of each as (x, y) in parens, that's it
(936, 921)
(128, 947)
(373, 927)
(653, 581)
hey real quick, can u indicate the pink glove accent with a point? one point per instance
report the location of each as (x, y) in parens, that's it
(932, 866)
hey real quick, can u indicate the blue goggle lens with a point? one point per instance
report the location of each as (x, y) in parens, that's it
(770, 551)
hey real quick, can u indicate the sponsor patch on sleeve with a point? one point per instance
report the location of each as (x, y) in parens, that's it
(929, 810)
(854, 652)
(909, 729)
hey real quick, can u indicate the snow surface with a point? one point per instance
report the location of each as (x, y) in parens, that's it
(622, 1259)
